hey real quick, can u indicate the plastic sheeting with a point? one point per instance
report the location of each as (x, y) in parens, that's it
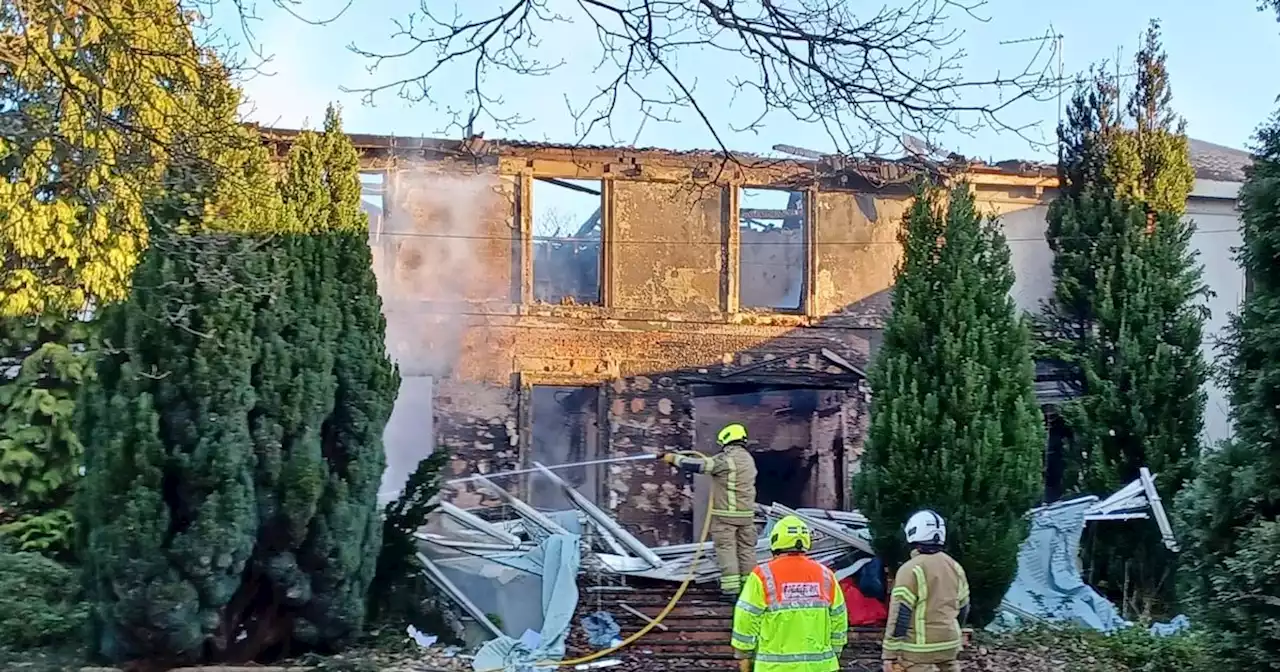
(601, 629)
(558, 557)
(1048, 586)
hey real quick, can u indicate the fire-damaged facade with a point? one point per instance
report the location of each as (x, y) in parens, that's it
(556, 305)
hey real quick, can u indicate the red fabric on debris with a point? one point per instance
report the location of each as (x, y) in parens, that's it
(863, 611)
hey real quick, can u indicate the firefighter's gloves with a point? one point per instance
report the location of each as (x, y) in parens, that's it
(744, 665)
(669, 458)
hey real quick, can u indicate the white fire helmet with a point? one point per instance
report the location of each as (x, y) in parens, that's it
(926, 527)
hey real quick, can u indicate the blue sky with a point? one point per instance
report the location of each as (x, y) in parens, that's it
(1219, 59)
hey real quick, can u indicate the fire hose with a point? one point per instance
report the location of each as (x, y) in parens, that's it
(655, 621)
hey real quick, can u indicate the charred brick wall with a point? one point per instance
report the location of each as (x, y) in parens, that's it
(454, 266)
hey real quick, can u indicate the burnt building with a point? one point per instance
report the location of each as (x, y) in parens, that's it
(559, 304)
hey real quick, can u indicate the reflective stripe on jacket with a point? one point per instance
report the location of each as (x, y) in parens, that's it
(791, 617)
(930, 592)
(733, 480)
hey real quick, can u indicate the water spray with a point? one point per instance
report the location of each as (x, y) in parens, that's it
(570, 465)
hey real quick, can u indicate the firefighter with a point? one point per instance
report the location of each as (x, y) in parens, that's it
(733, 504)
(791, 615)
(928, 604)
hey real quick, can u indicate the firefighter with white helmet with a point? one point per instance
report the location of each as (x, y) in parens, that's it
(791, 616)
(733, 504)
(928, 604)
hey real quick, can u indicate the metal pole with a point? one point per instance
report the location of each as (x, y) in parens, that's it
(513, 472)
(603, 520)
(458, 596)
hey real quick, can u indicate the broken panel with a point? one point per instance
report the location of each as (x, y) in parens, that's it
(567, 241)
(564, 429)
(409, 436)
(771, 251)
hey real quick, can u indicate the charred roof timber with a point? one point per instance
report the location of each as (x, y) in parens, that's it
(1211, 161)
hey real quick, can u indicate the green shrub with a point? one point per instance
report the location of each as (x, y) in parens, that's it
(39, 602)
(40, 452)
(1133, 649)
(49, 533)
(401, 594)
(1140, 651)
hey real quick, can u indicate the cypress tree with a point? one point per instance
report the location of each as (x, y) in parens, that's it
(168, 515)
(235, 437)
(345, 534)
(1125, 316)
(1229, 514)
(954, 422)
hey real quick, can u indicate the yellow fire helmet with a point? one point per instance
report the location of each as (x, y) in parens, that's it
(731, 434)
(790, 534)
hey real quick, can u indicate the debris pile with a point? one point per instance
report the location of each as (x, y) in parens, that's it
(574, 582)
(466, 547)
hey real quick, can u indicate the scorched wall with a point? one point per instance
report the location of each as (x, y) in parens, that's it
(691, 304)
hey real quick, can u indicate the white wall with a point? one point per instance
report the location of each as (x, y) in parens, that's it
(1217, 236)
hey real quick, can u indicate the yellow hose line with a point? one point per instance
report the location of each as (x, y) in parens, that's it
(684, 585)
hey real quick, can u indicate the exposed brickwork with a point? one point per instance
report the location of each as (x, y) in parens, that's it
(476, 423)
(452, 252)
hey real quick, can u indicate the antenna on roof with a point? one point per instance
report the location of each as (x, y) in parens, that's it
(1058, 40)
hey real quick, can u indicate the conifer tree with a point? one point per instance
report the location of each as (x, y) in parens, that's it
(1230, 511)
(954, 422)
(1125, 318)
(345, 532)
(235, 437)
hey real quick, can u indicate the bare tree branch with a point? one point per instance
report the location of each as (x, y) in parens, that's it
(1270, 6)
(105, 101)
(864, 78)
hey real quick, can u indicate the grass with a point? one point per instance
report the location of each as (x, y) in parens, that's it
(1079, 650)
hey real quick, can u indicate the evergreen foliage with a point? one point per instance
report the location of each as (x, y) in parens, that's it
(234, 434)
(40, 454)
(954, 422)
(1125, 318)
(401, 592)
(39, 602)
(1230, 512)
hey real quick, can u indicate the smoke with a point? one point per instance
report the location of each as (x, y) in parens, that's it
(433, 258)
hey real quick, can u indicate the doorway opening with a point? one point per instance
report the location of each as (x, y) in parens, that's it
(784, 476)
(565, 430)
(795, 435)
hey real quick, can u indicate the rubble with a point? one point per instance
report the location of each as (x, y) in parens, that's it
(497, 553)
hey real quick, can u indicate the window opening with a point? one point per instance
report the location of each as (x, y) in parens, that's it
(771, 252)
(567, 242)
(373, 194)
